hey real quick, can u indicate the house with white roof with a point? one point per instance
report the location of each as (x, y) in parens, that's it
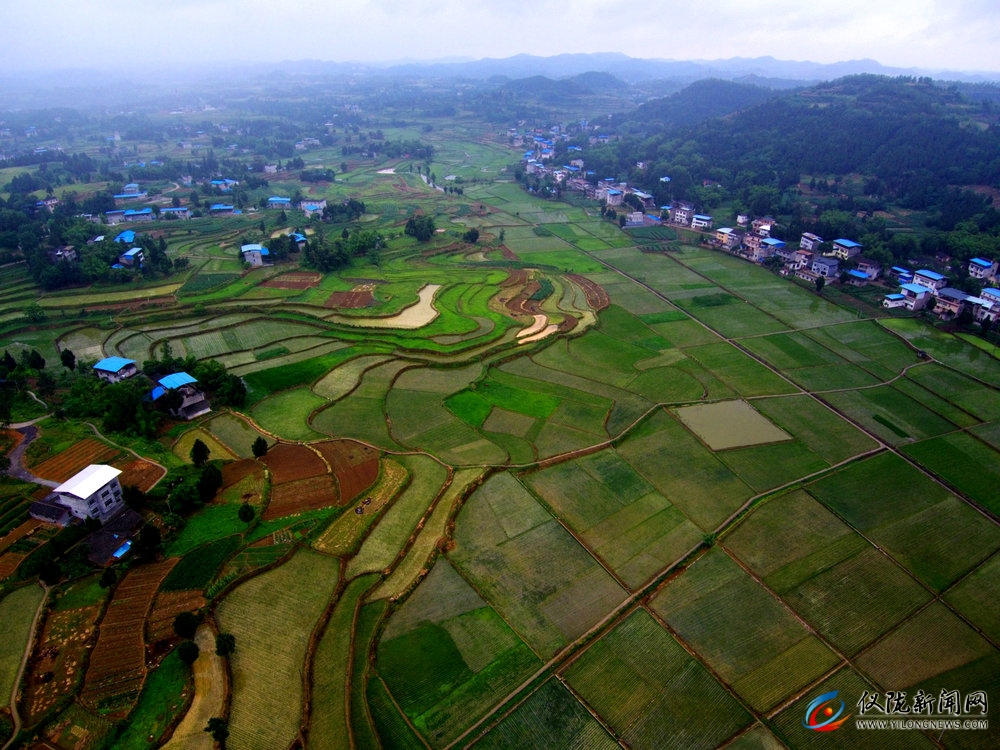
(94, 492)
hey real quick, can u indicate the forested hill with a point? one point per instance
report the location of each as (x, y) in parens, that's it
(912, 137)
(702, 100)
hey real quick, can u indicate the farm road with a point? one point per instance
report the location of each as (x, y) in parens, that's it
(17, 469)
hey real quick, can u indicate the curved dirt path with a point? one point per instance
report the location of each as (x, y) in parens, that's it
(209, 696)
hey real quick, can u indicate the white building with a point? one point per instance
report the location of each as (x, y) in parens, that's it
(92, 493)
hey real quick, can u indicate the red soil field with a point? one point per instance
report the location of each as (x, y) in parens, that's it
(19, 532)
(169, 604)
(301, 495)
(10, 439)
(354, 464)
(139, 473)
(117, 667)
(597, 298)
(65, 464)
(9, 562)
(294, 280)
(350, 300)
(290, 462)
(234, 471)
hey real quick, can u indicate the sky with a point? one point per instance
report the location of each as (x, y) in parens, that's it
(932, 35)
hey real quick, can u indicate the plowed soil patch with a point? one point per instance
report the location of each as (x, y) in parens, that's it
(234, 471)
(118, 663)
(294, 281)
(355, 466)
(290, 462)
(597, 298)
(65, 464)
(139, 473)
(169, 604)
(350, 300)
(19, 532)
(301, 495)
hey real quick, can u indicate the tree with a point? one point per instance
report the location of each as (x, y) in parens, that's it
(472, 236)
(108, 578)
(68, 359)
(188, 652)
(34, 313)
(147, 545)
(259, 447)
(820, 283)
(219, 729)
(35, 360)
(225, 644)
(186, 623)
(246, 513)
(199, 453)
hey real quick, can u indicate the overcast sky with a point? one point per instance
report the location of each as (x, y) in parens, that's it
(959, 35)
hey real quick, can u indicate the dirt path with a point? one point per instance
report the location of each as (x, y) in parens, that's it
(17, 469)
(209, 696)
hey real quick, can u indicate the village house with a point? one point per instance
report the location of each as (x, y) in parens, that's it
(131, 258)
(729, 238)
(179, 212)
(255, 254)
(810, 241)
(870, 268)
(894, 300)
(701, 221)
(900, 274)
(614, 197)
(138, 214)
(981, 268)
(681, 214)
(855, 277)
(277, 201)
(94, 492)
(115, 369)
(222, 209)
(950, 303)
(312, 207)
(826, 267)
(917, 296)
(192, 402)
(846, 249)
(930, 279)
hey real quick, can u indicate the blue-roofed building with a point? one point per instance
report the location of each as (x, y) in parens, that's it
(221, 209)
(894, 300)
(701, 221)
(131, 258)
(312, 207)
(917, 296)
(139, 214)
(256, 255)
(991, 295)
(857, 278)
(981, 268)
(114, 217)
(298, 238)
(930, 279)
(192, 403)
(115, 369)
(126, 238)
(180, 212)
(614, 197)
(277, 201)
(846, 249)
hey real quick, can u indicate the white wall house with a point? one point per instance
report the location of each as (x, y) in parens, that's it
(92, 493)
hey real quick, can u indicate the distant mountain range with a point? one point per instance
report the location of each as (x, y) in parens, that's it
(654, 76)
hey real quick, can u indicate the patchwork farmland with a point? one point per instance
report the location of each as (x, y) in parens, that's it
(574, 487)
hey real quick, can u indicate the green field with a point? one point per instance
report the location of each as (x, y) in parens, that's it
(271, 616)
